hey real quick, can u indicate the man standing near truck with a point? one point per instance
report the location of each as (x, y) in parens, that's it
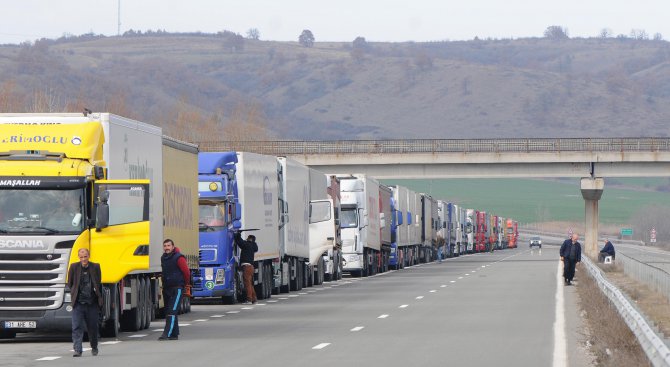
(248, 248)
(84, 280)
(176, 277)
(571, 254)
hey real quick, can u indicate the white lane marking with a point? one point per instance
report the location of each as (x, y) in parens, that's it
(432, 291)
(474, 271)
(303, 293)
(47, 359)
(229, 312)
(419, 297)
(138, 336)
(357, 328)
(215, 316)
(200, 320)
(244, 308)
(452, 281)
(293, 295)
(483, 266)
(403, 306)
(466, 274)
(158, 329)
(260, 304)
(116, 341)
(560, 349)
(283, 297)
(443, 286)
(383, 316)
(180, 324)
(321, 346)
(460, 277)
(272, 301)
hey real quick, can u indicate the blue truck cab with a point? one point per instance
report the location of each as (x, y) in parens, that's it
(219, 214)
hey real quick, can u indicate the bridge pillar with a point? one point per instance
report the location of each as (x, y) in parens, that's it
(592, 190)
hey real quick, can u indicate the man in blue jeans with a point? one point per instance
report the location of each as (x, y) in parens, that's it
(176, 277)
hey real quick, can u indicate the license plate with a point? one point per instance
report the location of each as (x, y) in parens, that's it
(209, 273)
(20, 324)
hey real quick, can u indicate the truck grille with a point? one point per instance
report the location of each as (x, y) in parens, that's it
(34, 281)
(207, 255)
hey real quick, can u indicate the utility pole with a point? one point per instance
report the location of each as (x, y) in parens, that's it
(118, 29)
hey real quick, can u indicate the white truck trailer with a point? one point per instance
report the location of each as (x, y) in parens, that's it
(360, 222)
(470, 230)
(259, 195)
(399, 252)
(294, 234)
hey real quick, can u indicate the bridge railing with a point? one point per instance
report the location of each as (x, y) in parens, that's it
(296, 147)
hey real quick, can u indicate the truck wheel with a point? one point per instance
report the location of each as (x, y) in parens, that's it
(285, 288)
(232, 299)
(112, 326)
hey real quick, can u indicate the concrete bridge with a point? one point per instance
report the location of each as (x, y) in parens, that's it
(588, 159)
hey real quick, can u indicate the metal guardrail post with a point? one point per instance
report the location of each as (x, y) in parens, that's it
(652, 344)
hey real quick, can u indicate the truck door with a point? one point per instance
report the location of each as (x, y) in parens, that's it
(121, 245)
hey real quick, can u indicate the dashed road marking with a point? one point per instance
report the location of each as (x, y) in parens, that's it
(293, 295)
(303, 293)
(383, 316)
(452, 281)
(357, 328)
(272, 301)
(321, 346)
(112, 342)
(217, 316)
(137, 336)
(460, 277)
(419, 297)
(403, 306)
(432, 291)
(47, 359)
(247, 308)
(229, 312)
(200, 320)
(443, 286)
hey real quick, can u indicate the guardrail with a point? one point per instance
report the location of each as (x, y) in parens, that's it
(656, 278)
(652, 344)
(290, 147)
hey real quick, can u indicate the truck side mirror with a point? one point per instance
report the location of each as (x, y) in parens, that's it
(101, 216)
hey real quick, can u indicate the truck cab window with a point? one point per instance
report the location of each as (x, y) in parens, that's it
(348, 218)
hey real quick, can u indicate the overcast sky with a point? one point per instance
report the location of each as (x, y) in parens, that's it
(341, 20)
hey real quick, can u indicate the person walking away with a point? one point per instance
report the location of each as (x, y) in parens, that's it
(247, 250)
(176, 277)
(571, 254)
(608, 250)
(84, 279)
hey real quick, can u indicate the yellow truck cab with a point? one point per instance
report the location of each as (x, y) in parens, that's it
(95, 181)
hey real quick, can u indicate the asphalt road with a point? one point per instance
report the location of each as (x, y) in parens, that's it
(496, 309)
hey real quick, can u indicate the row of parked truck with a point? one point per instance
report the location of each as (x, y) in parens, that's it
(129, 187)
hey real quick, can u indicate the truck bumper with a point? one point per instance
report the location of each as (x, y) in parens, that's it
(59, 319)
(207, 285)
(353, 262)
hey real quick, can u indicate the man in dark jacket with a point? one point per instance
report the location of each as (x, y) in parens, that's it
(608, 250)
(571, 254)
(247, 250)
(84, 279)
(176, 277)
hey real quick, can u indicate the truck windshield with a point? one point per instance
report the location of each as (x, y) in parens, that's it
(348, 218)
(212, 216)
(40, 211)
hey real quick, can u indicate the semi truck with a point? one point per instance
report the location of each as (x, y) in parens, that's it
(218, 210)
(511, 232)
(470, 229)
(459, 215)
(481, 231)
(126, 188)
(325, 239)
(400, 227)
(361, 242)
(429, 221)
(385, 227)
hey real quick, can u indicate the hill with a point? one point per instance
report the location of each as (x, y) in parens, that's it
(193, 84)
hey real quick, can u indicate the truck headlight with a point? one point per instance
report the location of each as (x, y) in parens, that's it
(220, 276)
(68, 297)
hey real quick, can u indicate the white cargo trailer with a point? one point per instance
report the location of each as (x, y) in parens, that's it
(404, 222)
(294, 235)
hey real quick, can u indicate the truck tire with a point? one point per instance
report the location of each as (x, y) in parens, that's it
(285, 288)
(232, 299)
(112, 326)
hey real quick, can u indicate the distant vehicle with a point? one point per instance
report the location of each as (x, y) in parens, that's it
(535, 241)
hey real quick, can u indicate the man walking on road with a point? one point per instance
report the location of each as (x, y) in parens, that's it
(176, 277)
(571, 254)
(248, 248)
(84, 280)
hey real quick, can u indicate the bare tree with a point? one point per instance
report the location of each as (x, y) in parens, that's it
(306, 38)
(639, 34)
(254, 34)
(658, 37)
(605, 33)
(10, 99)
(556, 33)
